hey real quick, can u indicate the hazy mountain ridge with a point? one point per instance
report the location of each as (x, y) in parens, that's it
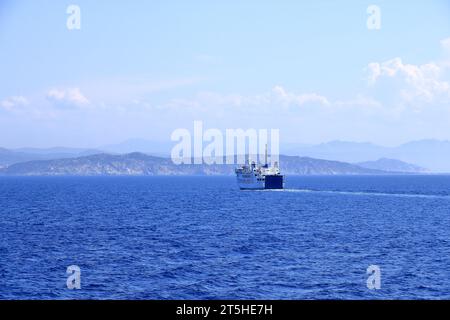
(12, 156)
(156, 148)
(295, 165)
(431, 154)
(414, 156)
(392, 165)
(102, 164)
(142, 164)
(434, 155)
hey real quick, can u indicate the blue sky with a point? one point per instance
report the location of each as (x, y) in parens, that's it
(141, 69)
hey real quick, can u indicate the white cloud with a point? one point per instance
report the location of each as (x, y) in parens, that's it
(413, 83)
(360, 101)
(13, 102)
(67, 97)
(445, 44)
(277, 97)
(416, 82)
(373, 72)
(289, 98)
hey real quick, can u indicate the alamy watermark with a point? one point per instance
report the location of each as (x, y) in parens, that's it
(213, 146)
(74, 19)
(374, 277)
(374, 19)
(74, 278)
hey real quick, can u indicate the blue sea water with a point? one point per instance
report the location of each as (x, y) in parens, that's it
(202, 238)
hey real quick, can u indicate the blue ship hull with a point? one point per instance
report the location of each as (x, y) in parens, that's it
(273, 182)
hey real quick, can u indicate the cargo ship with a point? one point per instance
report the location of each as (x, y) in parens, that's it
(258, 177)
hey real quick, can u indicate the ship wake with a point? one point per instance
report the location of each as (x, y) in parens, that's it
(365, 193)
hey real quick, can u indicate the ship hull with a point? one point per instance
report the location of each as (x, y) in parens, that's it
(255, 182)
(250, 181)
(274, 182)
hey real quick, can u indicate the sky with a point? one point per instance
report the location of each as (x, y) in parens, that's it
(318, 71)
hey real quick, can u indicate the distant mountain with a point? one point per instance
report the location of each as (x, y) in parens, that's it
(309, 166)
(392, 165)
(157, 148)
(8, 156)
(108, 164)
(59, 151)
(431, 154)
(339, 151)
(142, 164)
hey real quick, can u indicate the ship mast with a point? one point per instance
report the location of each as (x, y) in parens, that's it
(265, 155)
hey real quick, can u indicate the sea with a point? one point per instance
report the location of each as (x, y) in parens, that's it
(202, 238)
